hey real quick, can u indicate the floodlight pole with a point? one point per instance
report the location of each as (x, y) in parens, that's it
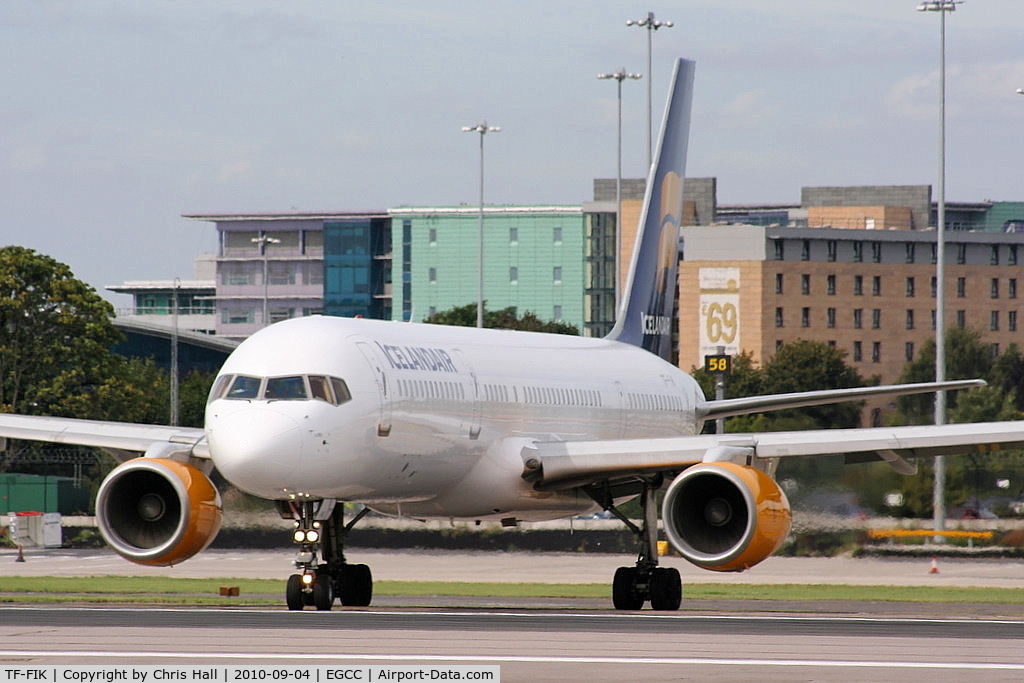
(939, 491)
(483, 129)
(619, 75)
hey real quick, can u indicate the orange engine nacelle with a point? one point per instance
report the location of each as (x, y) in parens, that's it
(725, 517)
(157, 511)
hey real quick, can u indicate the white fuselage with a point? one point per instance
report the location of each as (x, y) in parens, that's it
(438, 416)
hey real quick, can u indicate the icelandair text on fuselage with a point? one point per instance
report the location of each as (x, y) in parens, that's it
(231, 674)
(417, 358)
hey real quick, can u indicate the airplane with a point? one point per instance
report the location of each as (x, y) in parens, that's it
(427, 421)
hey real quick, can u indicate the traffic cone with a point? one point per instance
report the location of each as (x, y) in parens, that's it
(21, 555)
(935, 567)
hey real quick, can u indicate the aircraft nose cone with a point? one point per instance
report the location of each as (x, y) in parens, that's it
(257, 449)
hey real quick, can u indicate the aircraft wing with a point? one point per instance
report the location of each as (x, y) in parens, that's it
(730, 407)
(123, 440)
(561, 465)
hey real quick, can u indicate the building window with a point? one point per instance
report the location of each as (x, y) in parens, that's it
(805, 284)
(832, 249)
(858, 352)
(993, 259)
(1011, 321)
(961, 287)
(858, 252)
(876, 318)
(993, 321)
(779, 317)
(557, 274)
(276, 315)
(778, 283)
(876, 352)
(858, 318)
(513, 235)
(805, 250)
(780, 250)
(909, 248)
(432, 236)
(876, 252)
(908, 351)
(910, 287)
(858, 285)
(432, 276)
(961, 254)
(831, 285)
(557, 313)
(934, 319)
(935, 254)
(238, 316)
(805, 317)
(279, 273)
(876, 285)
(994, 290)
(237, 274)
(993, 350)
(961, 319)
(1011, 288)
(513, 274)
(557, 234)
(1011, 259)
(935, 286)
(910, 318)
(830, 318)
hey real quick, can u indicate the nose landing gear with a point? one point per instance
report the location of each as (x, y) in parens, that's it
(320, 530)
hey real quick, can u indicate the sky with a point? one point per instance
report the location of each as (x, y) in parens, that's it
(119, 116)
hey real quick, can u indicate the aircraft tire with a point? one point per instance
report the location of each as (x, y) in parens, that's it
(323, 592)
(666, 589)
(624, 593)
(293, 596)
(356, 586)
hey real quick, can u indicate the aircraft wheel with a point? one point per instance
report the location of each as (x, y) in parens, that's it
(666, 589)
(293, 593)
(323, 592)
(624, 593)
(356, 589)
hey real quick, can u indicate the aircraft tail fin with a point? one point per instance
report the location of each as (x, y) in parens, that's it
(645, 312)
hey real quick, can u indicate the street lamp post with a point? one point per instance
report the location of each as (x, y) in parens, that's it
(483, 129)
(651, 25)
(938, 494)
(619, 75)
(263, 240)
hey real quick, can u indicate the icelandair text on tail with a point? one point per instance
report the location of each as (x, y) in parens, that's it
(240, 674)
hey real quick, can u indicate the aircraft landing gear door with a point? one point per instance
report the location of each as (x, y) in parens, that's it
(381, 377)
(468, 381)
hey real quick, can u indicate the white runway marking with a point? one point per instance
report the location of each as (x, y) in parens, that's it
(499, 659)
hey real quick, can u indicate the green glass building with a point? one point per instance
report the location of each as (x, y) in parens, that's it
(534, 259)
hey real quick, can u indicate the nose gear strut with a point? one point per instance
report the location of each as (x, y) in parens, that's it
(324, 575)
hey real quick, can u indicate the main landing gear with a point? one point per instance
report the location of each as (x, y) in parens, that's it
(633, 586)
(320, 528)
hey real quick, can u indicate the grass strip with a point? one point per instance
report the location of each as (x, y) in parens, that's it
(170, 590)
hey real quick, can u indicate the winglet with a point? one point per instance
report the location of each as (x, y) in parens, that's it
(645, 312)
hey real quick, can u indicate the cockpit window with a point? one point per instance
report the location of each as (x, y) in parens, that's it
(285, 388)
(245, 387)
(331, 390)
(341, 392)
(319, 388)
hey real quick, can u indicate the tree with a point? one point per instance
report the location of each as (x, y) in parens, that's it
(967, 357)
(507, 318)
(56, 333)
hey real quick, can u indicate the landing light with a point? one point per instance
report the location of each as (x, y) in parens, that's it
(307, 579)
(299, 535)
